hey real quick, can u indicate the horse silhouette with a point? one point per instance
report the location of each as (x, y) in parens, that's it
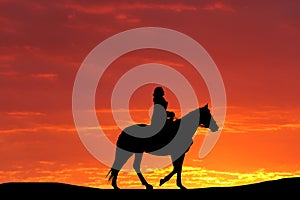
(174, 141)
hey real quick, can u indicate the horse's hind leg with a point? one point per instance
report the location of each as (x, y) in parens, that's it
(137, 168)
(121, 158)
(113, 174)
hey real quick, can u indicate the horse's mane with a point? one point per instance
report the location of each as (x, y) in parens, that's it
(188, 115)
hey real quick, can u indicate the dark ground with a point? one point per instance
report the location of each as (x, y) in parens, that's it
(289, 187)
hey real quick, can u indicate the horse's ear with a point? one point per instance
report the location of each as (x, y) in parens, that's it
(206, 106)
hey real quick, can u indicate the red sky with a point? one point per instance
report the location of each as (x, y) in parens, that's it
(255, 45)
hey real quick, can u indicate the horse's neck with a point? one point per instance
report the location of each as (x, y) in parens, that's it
(189, 123)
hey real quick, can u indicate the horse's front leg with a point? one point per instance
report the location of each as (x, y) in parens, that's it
(168, 177)
(137, 168)
(177, 169)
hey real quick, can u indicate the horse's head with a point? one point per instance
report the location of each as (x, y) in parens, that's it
(207, 120)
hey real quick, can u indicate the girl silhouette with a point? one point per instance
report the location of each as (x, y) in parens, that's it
(160, 112)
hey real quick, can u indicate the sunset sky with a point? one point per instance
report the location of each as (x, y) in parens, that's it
(254, 44)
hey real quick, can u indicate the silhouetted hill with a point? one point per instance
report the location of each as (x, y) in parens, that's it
(287, 186)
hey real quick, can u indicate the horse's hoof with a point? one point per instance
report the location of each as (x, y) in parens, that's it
(161, 182)
(149, 187)
(116, 187)
(182, 187)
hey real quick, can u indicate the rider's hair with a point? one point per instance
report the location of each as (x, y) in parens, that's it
(158, 91)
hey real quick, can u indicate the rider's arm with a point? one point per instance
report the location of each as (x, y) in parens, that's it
(170, 114)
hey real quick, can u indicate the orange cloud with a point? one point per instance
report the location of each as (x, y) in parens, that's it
(177, 7)
(264, 119)
(87, 175)
(40, 128)
(112, 8)
(7, 57)
(49, 76)
(127, 18)
(9, 73)
(91, 9)
(23, 114)
(219, 6)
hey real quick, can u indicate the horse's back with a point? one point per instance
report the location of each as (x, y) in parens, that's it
(129, 141)
(135, 139)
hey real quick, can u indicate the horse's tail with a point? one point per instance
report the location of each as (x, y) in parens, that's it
(110, 175)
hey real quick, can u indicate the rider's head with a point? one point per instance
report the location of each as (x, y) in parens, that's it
(158, 92)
